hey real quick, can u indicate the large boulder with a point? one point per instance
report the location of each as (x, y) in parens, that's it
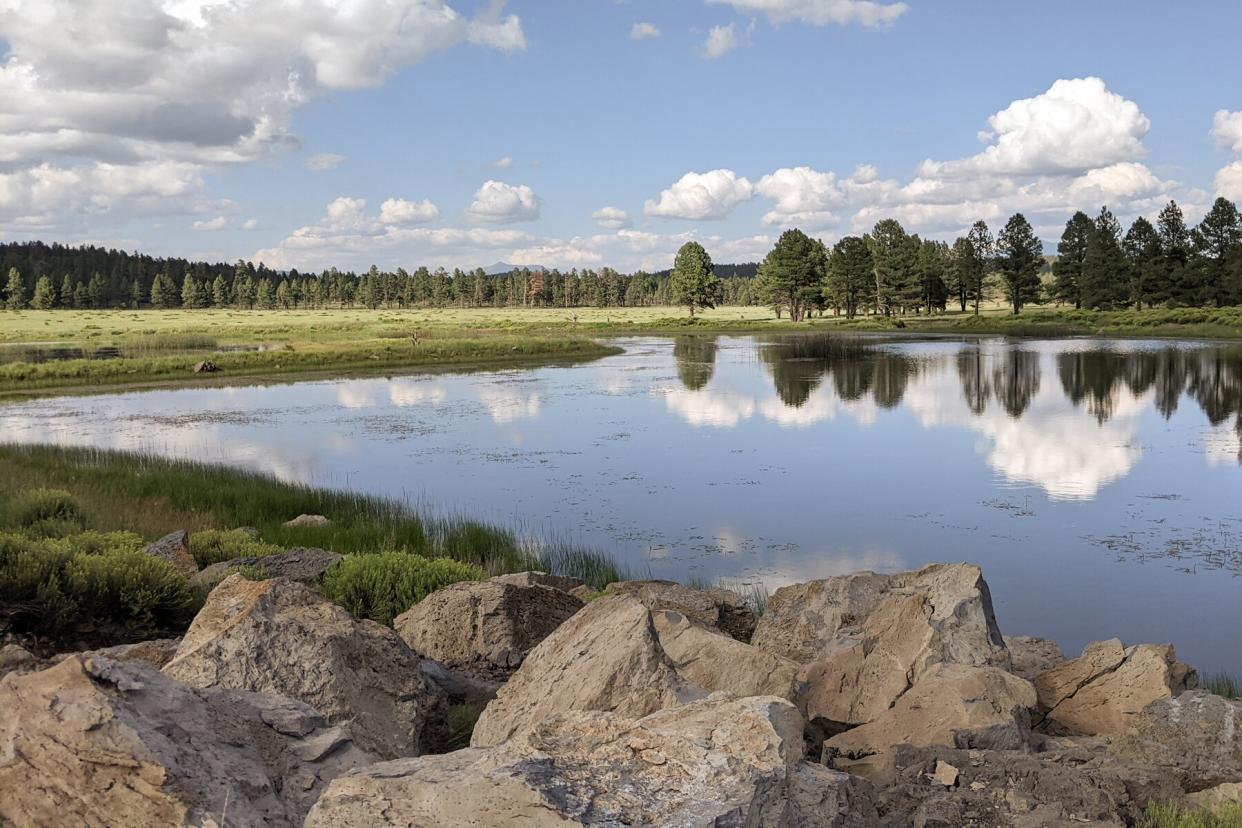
(940, 787)
(279, 636)
(716, 662)
(952, 705)
(93, 741)
(562, 582)
(300, 564)
(866, 639)
(1197, 733)
(1030, 656)
(174, 549)
(721, 608)
(607, 657)
(484, 628)
(14, 658)
(1104, 689)
(714, 762)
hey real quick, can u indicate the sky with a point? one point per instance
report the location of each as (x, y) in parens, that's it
(590, 133)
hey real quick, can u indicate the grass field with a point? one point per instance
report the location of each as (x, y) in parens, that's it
(161, 347)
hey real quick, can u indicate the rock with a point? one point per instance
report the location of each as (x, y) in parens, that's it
(584, 593)
(1105, 688)
(484, 628)
(952, 705)
(866, 638)
(301, 564)
(1030, 656)
(945, 773)
(713, 762)
(281, 637)
(716, 662)
(15, 658)
(308, 520)
(720, 608)
(93, 741)
(1016, 789)
(562, 582)
(1220, 796)
(175, 549)
(155, 653)
(1197, 733)
(607, 657)
(205, 367)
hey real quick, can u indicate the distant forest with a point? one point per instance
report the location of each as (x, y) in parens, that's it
(1099, 265)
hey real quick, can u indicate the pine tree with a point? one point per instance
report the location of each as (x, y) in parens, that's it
(1179, 283)
(192, 293)
(44, 295)
(983, 256)
(1020, 255)
(851, 281)
(693, 281)
(1104, 282)
(81, 298)
(97, 288)
(136, 293)
(65, 297)
(932, 266)
(220, 292)
(1216, 245)
(1071, 254)
(1142, 246)
(15, 291)
(892, 262)
(794, 271)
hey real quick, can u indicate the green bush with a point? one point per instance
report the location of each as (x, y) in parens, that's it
(212, 546)
(95, 588)
(1171, 816)
(381, 586)
(46, 509)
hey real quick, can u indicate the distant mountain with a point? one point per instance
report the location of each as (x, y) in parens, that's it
(505, 267)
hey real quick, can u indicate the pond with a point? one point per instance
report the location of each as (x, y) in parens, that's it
(1098, 483)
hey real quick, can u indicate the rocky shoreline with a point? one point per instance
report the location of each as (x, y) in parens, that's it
(860, 701)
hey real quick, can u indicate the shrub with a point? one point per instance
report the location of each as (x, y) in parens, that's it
(381, 586)
(213, 546)
(37, 507)
(94, 588)
(1171, 816)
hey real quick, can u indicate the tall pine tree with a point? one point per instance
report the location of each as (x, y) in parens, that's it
(1019, 256)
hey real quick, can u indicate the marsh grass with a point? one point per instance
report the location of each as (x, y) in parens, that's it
(1171, 816)
(170, 341)
(152, 496)
(1223, 684)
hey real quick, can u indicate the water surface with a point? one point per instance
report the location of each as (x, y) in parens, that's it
(1098, 483)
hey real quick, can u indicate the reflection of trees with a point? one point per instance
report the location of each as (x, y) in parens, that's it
(696, 360)
(976, 385)
(1015, 380)
(798, 365)
(1093, 376)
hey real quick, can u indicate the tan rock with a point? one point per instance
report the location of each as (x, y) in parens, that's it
(865, 639)
(1030, 656)
(562, 582)
(607, 657)
(1224, 795)
(716, 662)
(484, 628)
(1107, 686)
(945, 774)
(97, 742)
(308, 520)
(281, 637)
(174, 548)
(711, 762)
(720, 608)
(952, 705)
(156, 652)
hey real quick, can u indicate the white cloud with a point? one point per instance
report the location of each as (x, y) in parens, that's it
(821, 12)
(1076, 126)
(720, 41)
(503, 163)
(217, 223)
(1229, 181)
(1227, 130)
(400, 211)
(499, 203)
(323, 161)
(643, 31)
(697, 196)
(250, 224)
(105, 92)
(612, 218)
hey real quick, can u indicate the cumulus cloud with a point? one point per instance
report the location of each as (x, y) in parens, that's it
(821, 12)
(503, 163)
(697, 196)
(499, 203)
(612, 218)
(324, 161)
(1075, 126)
(1227, 130)
(400, 211)
(643, 31)
(250, 224)
(720, 41)
(105, 92)
(1229, 181)
(217, 223)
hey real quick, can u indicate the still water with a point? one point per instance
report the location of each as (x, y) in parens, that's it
(1098, 483)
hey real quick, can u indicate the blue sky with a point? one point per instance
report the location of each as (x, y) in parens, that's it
(310, 133)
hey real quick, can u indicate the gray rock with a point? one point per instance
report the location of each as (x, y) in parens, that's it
(175, 549)
(281, 637)
(308, 520)
(1030, 656)
(721, 608)
(93, 741)
(300, 564)
(562, 582)
(1197, 733)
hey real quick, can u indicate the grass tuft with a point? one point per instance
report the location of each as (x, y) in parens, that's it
(1171, 816)
(1223, 684)
(213, 546)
